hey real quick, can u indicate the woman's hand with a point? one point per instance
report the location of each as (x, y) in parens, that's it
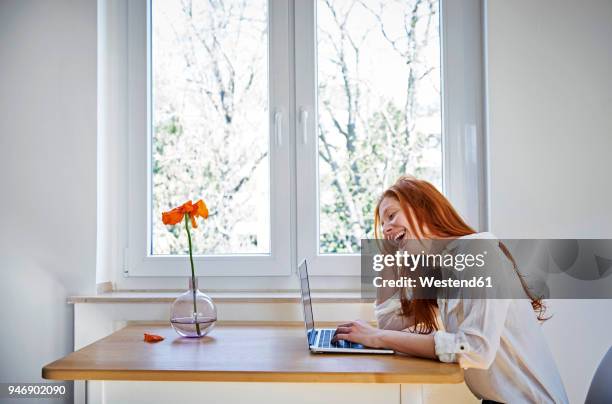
(360, 332)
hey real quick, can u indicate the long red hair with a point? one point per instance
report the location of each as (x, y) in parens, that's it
(424, 206)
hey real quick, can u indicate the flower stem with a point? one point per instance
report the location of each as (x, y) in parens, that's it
(195, 310)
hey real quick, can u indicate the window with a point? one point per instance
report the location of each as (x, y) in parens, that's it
(289, 118)
(379, 109)
(211, 102)
(209, 109)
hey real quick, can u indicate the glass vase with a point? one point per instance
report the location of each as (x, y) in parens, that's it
(189, 320)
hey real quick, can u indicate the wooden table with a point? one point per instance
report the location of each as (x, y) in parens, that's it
(237, 353)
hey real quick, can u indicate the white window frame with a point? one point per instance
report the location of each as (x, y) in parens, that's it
(294, 181)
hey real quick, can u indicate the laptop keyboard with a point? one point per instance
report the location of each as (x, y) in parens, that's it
(326, 337)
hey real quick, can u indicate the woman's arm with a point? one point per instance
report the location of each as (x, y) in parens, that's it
(421, 345)
(359, 331)
(389, 315)
(382, 294)
(478, 337)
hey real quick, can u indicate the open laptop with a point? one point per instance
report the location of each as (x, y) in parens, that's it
(319, 340)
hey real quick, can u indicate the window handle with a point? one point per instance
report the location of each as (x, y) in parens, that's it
(278, 127)
(304, 122)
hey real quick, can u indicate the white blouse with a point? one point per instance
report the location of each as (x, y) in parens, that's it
(499, 342)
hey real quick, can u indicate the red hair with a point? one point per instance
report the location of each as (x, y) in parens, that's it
(424, 206)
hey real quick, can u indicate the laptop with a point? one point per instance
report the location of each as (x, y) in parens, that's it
(319, 340)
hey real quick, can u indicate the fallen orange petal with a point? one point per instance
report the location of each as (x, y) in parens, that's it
(152, 337)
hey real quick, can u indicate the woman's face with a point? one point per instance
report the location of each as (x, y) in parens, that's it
(393, 220)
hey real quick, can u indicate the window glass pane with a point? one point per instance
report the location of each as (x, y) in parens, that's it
(210, 135)
(379, 108)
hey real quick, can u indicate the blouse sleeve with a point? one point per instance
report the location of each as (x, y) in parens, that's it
(389, 314)
(477, 339)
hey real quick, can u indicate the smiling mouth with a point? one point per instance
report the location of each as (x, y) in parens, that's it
(399, 236)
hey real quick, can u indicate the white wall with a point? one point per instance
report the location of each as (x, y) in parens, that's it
(47, 177)
(550, 148)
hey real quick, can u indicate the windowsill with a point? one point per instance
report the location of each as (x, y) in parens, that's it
(219, 297)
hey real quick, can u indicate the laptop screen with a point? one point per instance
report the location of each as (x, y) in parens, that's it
(308, 317)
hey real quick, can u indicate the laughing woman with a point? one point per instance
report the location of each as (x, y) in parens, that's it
(499, 342)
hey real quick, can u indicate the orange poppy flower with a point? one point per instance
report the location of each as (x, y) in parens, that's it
(192, 209)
